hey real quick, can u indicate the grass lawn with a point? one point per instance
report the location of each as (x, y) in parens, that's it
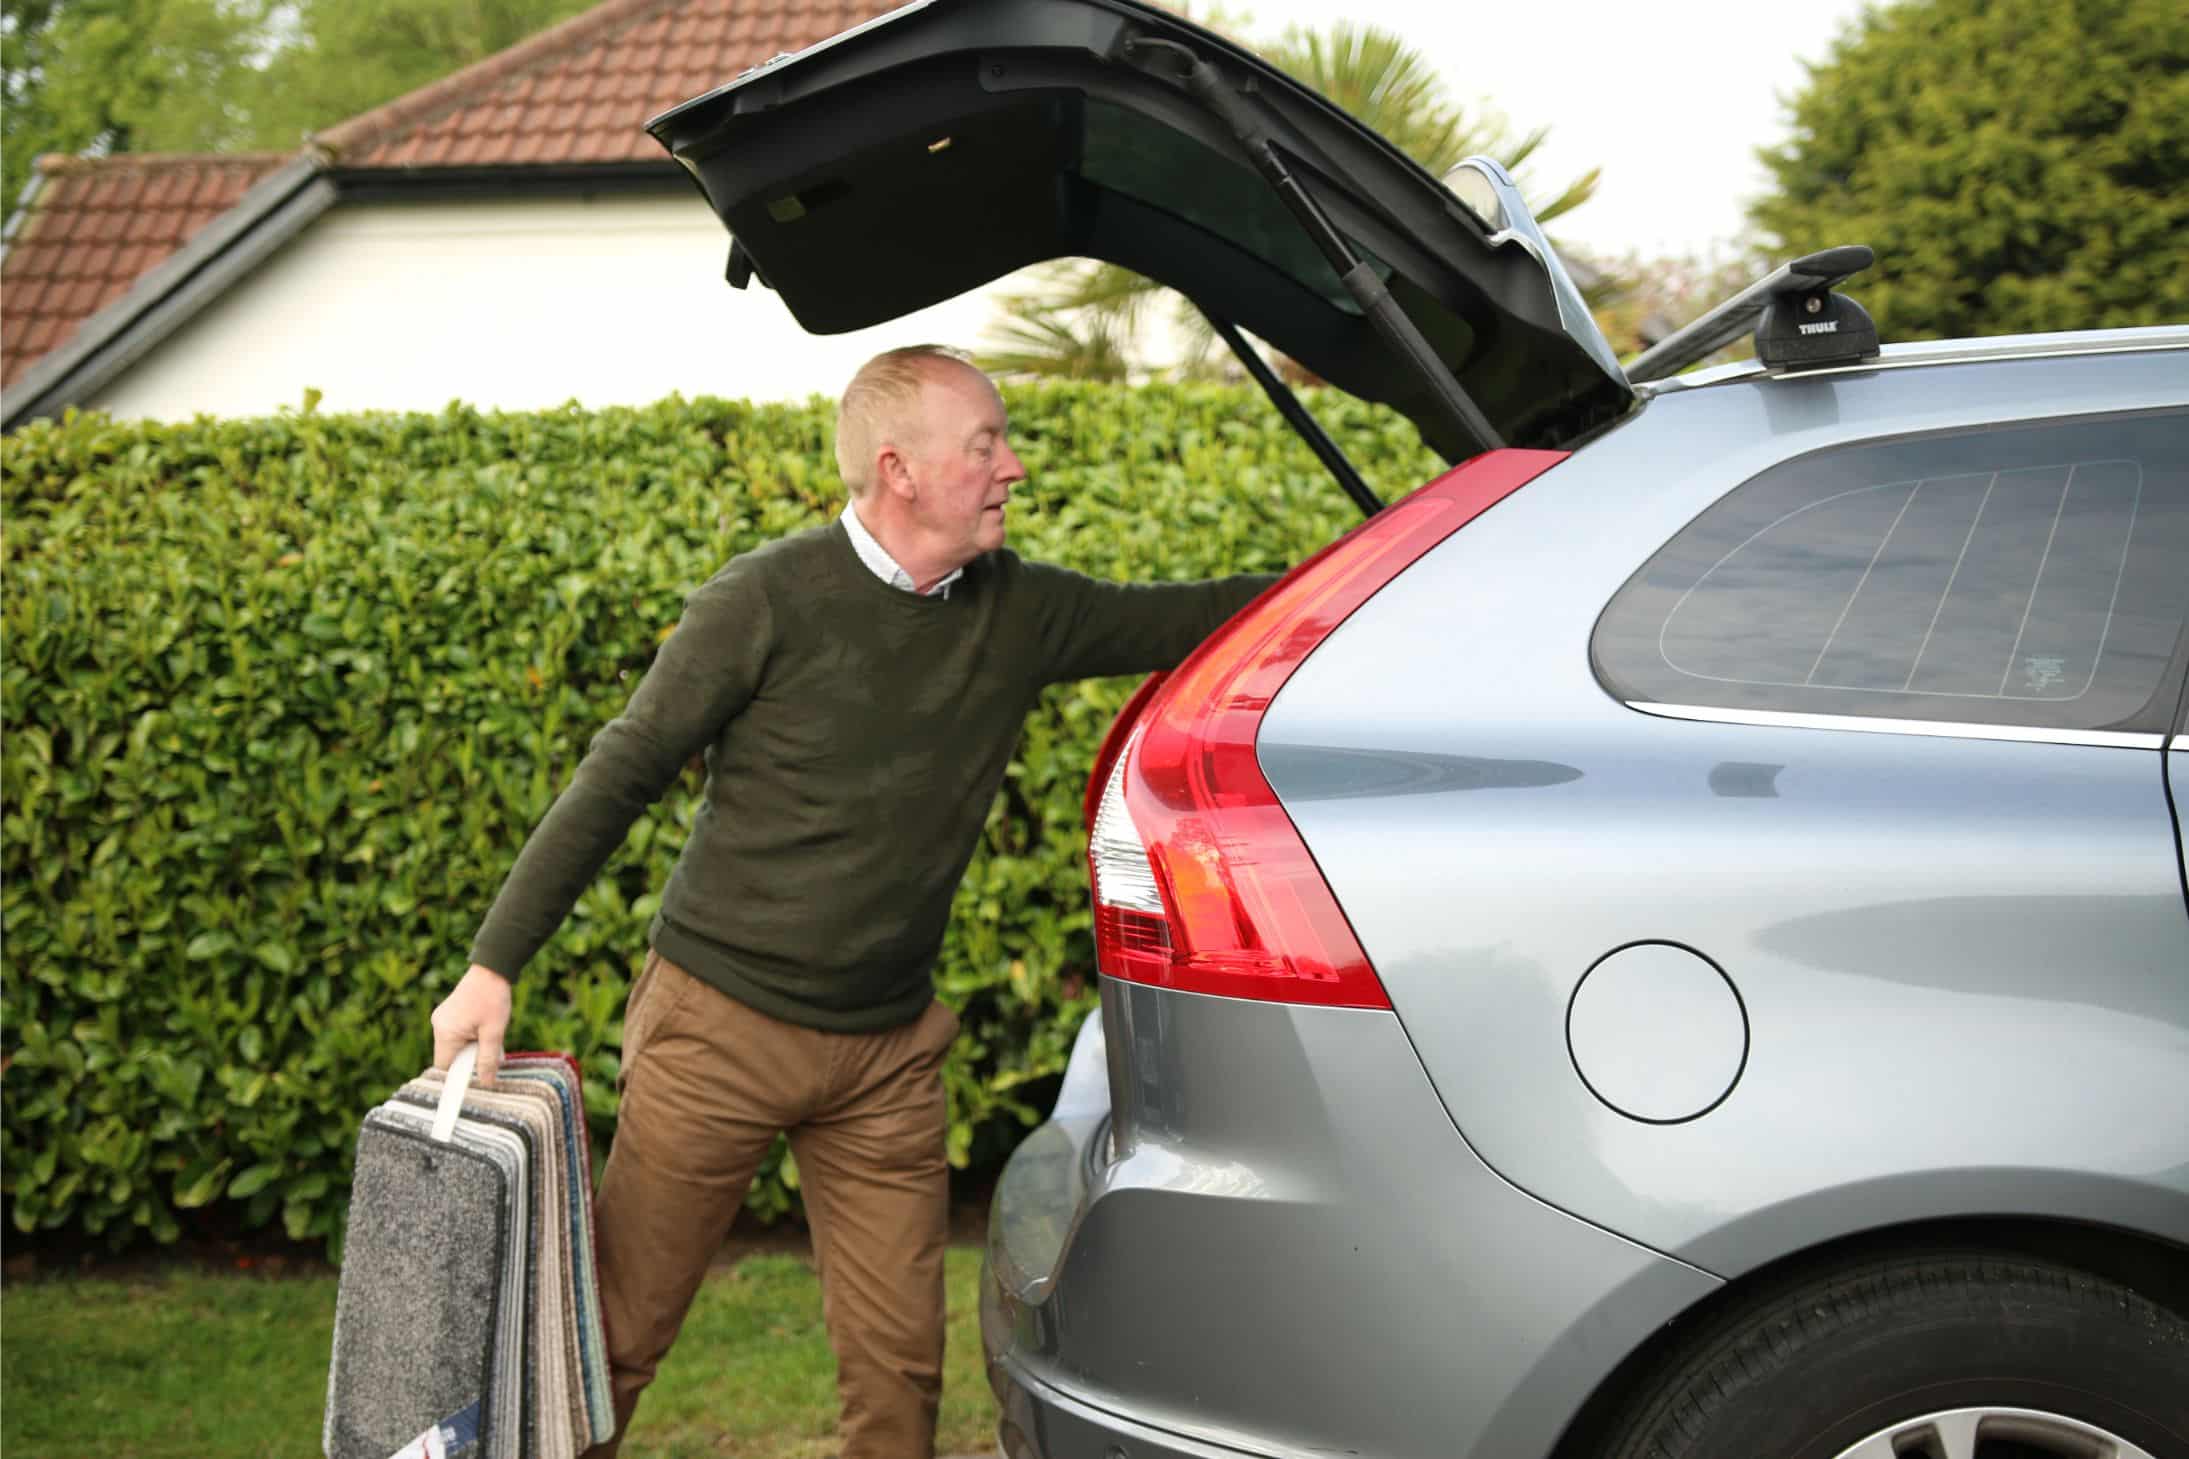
(235, 1367)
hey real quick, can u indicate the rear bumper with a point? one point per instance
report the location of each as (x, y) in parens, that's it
(1279, 1245)
(1038, 1422)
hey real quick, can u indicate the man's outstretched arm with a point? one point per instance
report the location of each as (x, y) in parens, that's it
(703, 676)
(1091, 627)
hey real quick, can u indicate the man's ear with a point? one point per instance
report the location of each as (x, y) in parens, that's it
(893, 473)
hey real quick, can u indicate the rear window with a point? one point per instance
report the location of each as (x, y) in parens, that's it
(1157, 164)
(1150, 162)
(2033, 575)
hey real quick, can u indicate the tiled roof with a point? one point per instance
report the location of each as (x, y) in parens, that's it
(98, 224)
(580, 92)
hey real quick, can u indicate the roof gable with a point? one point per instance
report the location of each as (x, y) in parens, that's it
(577, 94)
(98, 224)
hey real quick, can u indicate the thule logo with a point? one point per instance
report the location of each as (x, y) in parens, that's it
(1829, 326)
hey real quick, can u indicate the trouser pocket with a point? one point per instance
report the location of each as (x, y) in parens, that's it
(660, 990)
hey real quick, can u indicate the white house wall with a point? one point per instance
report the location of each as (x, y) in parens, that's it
(513, 304)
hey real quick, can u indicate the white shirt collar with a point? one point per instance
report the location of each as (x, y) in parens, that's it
(882, 565)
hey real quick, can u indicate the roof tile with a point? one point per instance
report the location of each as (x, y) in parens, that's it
(29, 296)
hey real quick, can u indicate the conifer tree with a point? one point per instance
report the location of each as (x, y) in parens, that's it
(2019, 165)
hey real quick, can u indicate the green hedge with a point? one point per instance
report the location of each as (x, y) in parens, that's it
(283, 697)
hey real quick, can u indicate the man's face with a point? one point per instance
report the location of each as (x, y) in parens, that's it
(963, 467)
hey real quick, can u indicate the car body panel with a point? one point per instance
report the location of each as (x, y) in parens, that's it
(1286, 1197)
(2177, 792)
(1927, 1035)
(1017, 131)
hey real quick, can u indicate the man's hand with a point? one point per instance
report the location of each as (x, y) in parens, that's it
(477, 1008)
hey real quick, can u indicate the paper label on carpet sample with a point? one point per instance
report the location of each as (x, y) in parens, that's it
(451, 1438)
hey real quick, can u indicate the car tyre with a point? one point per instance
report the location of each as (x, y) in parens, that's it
(1943, 1355)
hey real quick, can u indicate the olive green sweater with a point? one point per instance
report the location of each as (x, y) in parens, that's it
(855, 735)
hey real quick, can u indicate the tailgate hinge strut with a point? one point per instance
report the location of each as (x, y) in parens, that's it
(1360, 280)
(1296, 415)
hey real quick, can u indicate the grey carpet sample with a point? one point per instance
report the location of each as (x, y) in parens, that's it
(503, 1436)
(418, 1306)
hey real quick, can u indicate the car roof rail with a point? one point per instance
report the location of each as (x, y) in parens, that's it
(1799, 322)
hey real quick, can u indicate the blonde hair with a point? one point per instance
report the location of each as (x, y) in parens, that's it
(878, 402)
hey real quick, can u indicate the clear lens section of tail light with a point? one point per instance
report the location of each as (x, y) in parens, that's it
(1116, 857)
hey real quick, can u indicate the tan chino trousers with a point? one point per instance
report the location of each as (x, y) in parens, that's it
(707, 1083)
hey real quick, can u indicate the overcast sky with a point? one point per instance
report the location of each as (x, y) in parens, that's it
(1671, 99)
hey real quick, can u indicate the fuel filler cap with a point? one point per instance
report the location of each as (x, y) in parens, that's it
(1657, 1032)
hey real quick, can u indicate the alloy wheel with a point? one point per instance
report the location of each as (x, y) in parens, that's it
(1993, 1433)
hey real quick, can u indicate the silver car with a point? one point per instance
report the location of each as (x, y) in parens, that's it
(1669, 940)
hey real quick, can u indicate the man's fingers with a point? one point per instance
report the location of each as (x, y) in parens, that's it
(490, 1056)
(475, 1011)
(449, 1038)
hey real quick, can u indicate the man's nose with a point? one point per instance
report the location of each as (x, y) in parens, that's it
(1010, 468)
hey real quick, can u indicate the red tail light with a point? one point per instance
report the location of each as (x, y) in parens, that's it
(1201, 882)
(1113, 744)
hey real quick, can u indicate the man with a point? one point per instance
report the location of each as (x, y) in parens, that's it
(857, 690)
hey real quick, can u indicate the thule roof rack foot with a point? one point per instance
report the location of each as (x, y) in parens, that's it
(1806, 326)
(1800, 323)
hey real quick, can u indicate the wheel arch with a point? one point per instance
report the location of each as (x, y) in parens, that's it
(2151, 1265)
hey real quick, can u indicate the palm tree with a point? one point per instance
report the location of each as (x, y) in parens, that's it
(1075, 324)
(1390, 87)
(1082, 319)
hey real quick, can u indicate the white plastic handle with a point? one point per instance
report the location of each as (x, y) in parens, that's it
(452, 1093)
